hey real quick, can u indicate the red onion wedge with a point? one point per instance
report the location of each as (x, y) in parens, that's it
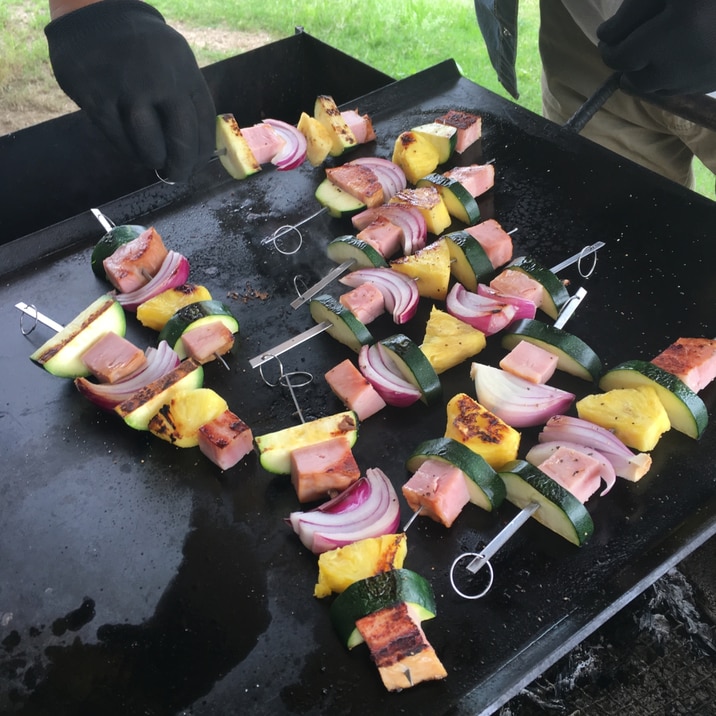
(368, 508)
(411, 222)
(627, 464)
(487, 314)
(160, 361)
(293, 152)
(173, 272)
(518, 402)
(542, 450)
(400, 292)
(390, 175)
(525, 307)
(383, 375)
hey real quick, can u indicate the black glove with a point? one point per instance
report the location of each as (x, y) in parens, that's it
(664, 46)
(138, 80)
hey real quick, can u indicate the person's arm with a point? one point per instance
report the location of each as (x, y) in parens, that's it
(137, 79)
(62, 7)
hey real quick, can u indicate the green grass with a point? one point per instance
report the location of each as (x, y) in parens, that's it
(398, 37)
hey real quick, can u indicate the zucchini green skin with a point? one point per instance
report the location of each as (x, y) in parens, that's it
(687, 412)
(338, 202)
(61, 355)
(193, 315)
(415, 367)
(486, 488)
(556, 294)
(345, 327)
(559, 510)
(574, 356)
(459, 202)
(369, 595)
(110, 242)
(275, 448)
(351, 248)
(470, 263)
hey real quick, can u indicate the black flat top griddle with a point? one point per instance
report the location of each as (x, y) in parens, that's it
(137, 578)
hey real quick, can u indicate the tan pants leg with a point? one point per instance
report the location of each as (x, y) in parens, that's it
(573, 70)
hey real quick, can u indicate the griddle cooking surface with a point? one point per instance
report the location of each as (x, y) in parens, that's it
(138, 578)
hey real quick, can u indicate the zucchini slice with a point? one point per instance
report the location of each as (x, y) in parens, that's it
(459, 202)
(415, 366)
(193, 315)
(61, 355)
(110, 242)
(687, 412)
(469, 263)
(556, 295)
(345, 328)
(484, 485)
(574, 356)
(138, 410)
(559, 510)
(338, 202)
(275, 448)
(442, 136)
(369, 595)
(351, 248)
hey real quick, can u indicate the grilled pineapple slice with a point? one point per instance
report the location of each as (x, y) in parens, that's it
(483, 432)
(155, 312)
(415, 155)
(178, 422)
(341, 567)
(430, 203)
(430, 267)
(635, 415)
(449, 341)
(329, 115)
(318, 139)
(234, 152)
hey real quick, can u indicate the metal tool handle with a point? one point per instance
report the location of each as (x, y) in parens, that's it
(579, 119)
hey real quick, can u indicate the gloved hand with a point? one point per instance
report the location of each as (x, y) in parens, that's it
(664, 46)
(138, 80)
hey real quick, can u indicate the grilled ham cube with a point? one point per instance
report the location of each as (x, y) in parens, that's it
(438, 490)
(354, 390)
(225, 440)
(358, 180)
(132, 265)
(692, 360)
(495, 241)
(469, 127)
(399, 647)
(323, 468)
(112, 358)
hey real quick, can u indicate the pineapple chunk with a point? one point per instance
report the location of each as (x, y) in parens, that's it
(483, 432)
(234, 152)
(635, 415)
(339, 568)
(430, 203)
(318, 139)
(327, 113)
(415, 155)
(449, 341)
(430, 267)
(179, 421)
(155, 312)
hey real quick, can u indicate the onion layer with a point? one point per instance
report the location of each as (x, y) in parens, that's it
(173, 272)
(368, 508)
(383, 375)
(412, 224)
(482, 312)
(515, 400)
(400, 293)
(626, 464)
(160, 361)
(293, 152)
(525, 307)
